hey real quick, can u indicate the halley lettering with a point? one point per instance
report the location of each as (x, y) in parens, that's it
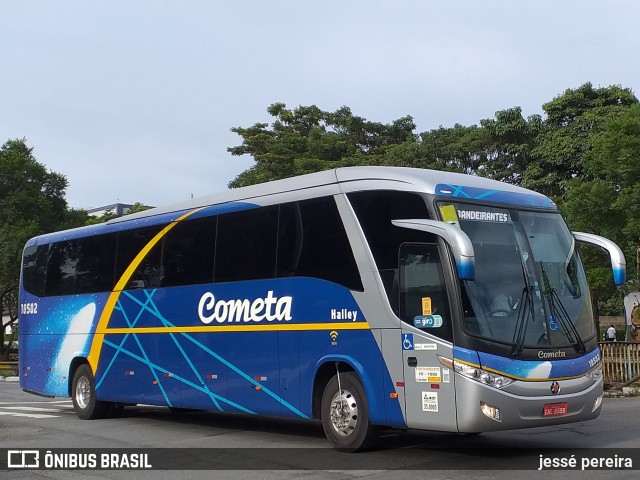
(343, 314)
(269, 308)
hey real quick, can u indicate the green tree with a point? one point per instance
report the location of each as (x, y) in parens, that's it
(307, 139)
(511, 139)
(606, 200)
(31, 202)
(457, 149)
(573, 118)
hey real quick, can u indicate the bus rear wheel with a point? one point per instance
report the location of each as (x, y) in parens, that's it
(83, 395)
(345, 414)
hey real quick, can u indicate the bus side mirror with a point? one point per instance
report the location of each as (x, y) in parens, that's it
(618, 264)
(459, 242)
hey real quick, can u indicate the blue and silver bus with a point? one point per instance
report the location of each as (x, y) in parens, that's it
(365, 297)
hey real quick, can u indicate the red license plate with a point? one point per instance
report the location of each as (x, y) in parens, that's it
(555, 409)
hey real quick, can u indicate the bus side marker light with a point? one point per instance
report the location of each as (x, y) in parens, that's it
(211, 376)
(258, 387)
(155, 382)
(393, 395)
(490, 411)
(129, 373)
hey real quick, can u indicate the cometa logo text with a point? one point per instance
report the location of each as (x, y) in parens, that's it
(558, 354)
(269, 308)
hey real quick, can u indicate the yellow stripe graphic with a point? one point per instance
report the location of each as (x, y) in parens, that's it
(96, 344)
(239, 328)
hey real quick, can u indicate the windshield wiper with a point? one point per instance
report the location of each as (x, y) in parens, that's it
(559, 313)
(525, 311)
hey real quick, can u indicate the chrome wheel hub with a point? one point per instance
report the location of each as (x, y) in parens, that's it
(83, 392)
(344, 413)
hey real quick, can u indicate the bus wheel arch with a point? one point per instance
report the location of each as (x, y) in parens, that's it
(75, 363)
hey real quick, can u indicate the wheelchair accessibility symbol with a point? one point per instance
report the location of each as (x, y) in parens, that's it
(407, 341)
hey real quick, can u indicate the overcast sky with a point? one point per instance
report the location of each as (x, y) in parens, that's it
(133, 100)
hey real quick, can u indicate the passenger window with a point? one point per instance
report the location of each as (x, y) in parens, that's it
(61, 268)
(424, 302)
(246, 245)
(312, 242)
(130, 243)
(34, 269)
(188, 253)
(96, 264)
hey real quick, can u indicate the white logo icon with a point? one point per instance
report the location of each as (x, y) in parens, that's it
(23, 459)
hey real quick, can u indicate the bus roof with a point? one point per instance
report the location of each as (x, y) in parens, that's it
(447, 184)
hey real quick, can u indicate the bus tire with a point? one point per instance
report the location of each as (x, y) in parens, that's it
(83, 395)
(345, 414)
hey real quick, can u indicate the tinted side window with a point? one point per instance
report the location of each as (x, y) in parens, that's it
(61, 268)
(375, 210)
(312, 242)
(246, 245)
(96, 264)
(188, 252)
(130, 243)
(424, 302)
(34, 269)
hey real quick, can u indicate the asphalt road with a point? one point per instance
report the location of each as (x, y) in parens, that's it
(248, 447)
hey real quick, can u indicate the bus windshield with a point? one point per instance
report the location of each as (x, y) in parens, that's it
(530, 289)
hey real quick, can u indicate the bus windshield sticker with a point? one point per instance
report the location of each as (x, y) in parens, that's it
(449, 215)
(483, 216)
(426, 306)
(427, 321)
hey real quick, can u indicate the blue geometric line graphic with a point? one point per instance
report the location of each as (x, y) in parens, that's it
(175, 376)
(245, 376)
(147, 361)
(124, 314)
(166, 323)
(150, 307)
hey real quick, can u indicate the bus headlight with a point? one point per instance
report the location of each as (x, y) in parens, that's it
(482, 376)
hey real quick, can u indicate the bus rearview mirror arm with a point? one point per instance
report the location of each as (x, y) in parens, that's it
(458, 240)
(618, 264)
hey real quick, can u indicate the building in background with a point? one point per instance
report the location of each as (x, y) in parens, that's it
(118, 208)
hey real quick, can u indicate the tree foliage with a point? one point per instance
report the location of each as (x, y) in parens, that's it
(31, 202)
(583, 152)
(307, 139)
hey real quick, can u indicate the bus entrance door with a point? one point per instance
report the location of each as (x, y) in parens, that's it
(430, 400)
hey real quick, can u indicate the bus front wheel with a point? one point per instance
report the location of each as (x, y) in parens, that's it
(345, 414)
(83, 394)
